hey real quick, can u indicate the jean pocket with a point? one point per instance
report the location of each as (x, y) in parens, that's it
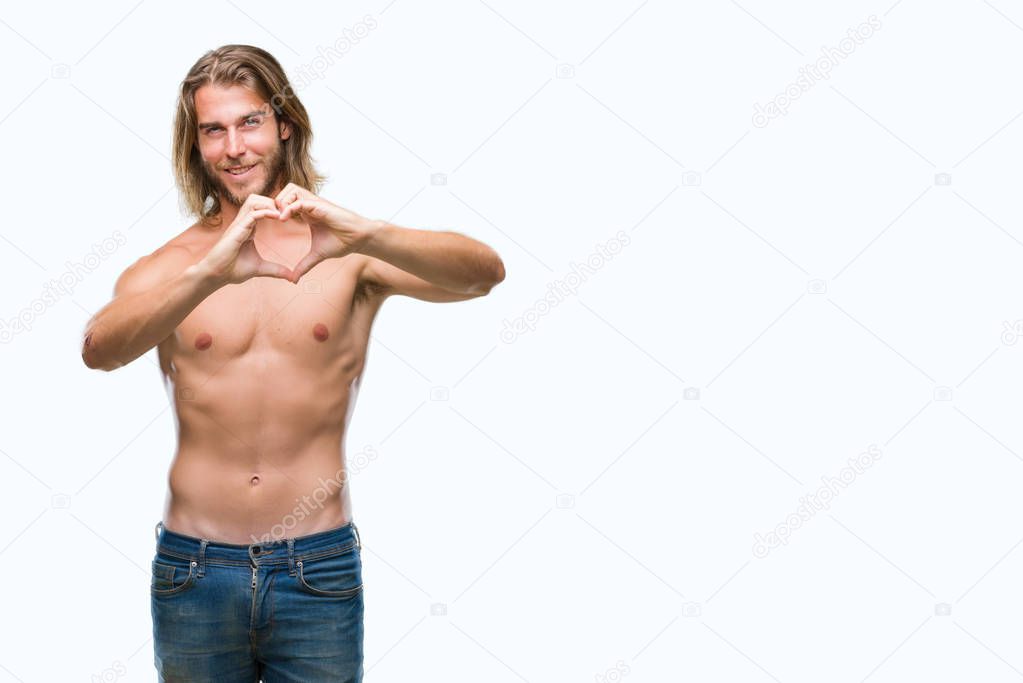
(172, 575)
(335, 576)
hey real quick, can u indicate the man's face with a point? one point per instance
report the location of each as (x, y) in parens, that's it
(238, 132)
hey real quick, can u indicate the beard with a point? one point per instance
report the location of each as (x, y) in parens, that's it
(273, 165)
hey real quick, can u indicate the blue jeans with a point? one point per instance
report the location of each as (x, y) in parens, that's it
(287, 610)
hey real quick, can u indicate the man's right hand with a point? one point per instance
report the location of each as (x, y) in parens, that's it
(234, 259)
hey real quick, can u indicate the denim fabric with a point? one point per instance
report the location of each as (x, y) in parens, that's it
(288, 610)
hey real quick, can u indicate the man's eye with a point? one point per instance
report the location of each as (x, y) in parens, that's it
(212, 129)
(254, 121)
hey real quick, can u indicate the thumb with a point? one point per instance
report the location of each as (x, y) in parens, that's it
(271, 269)
(306, 264)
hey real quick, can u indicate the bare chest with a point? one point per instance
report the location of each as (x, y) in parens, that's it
(311, 326)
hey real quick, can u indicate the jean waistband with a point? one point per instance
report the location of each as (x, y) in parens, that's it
(281, 551)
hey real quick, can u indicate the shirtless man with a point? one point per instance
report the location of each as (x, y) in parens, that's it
(261, 313)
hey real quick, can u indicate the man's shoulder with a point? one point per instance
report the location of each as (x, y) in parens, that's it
(164, 262)
(195, 239)
(181, 250)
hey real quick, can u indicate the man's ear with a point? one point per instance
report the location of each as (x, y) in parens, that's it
(284, 130)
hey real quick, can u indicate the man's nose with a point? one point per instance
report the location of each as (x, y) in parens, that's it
(235, 143)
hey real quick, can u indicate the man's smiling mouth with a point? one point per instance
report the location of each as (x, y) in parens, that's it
(239, 170)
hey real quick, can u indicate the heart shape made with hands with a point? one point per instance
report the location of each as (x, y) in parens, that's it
(333, 231)
(275, 266)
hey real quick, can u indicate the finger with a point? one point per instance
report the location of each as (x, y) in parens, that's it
(296, 207)
(291, 193)
(306, 264)
(257, 205)
(286, 197)
(269, 212)
(257, 214)
(309, 207)
(262, 204)
(258, 201)
(245, 230)
(256, 265)
(271, 269)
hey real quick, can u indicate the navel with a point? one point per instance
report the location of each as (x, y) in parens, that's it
(203, 341)
(255, 480)
(320, 332)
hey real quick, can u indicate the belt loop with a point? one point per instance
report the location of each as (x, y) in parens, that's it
(291, 557)
(202, 556)
(358, 539)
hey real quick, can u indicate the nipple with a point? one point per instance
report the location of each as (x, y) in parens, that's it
(203, 341)
(88, 340)
(320, 332)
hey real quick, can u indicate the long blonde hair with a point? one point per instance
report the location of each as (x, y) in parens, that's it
(259, 71)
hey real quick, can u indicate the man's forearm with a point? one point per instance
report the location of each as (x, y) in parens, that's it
(447, 259)
(129, 326)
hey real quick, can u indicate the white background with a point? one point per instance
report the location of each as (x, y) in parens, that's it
(791, 296)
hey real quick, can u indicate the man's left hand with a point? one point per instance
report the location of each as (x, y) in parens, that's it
(335, 231)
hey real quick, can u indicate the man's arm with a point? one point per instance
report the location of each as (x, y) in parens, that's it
(156, 293)
(151, 298)
(430, 265)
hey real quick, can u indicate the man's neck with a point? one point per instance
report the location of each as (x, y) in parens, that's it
(228, 212)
